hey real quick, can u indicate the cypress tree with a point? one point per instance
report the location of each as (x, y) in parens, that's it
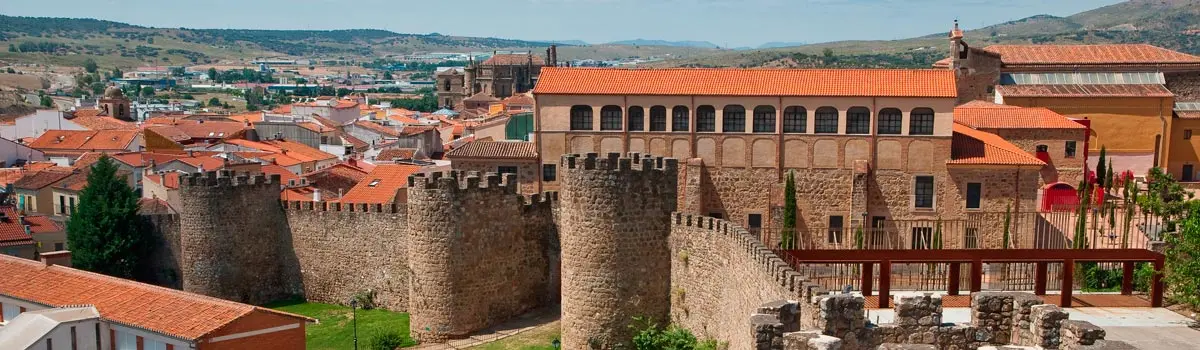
(1007, 221)
(105, 232)
(789, 212)
(937, 234)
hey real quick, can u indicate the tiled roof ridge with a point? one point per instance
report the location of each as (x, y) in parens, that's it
(743, 69)
(989, 140)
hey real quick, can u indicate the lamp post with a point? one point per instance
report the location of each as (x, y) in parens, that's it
(354, 320)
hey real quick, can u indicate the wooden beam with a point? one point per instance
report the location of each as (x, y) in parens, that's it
(885, 284)
(868, 277)
(976, 276)
(968, 255)
(952, 289)
(1039, 282)
(1156, 284)
(1127, 278)
(1068, 283)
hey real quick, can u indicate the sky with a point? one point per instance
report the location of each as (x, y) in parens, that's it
(728, 23)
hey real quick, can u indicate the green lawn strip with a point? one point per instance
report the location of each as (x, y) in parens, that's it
(539, 338)
(335, 329)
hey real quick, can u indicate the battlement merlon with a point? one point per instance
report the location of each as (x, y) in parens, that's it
(614, 161)
(227, 178)
(335, 206)
(456, 180)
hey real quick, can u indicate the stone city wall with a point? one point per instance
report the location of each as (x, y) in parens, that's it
(614, 220)
(344, 250)
(478, 252)
(1185, 85)
(718, 271)
(164, 257)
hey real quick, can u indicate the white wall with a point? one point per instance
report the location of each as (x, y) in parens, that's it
(36, 124)
(85, 336)
(10, 152)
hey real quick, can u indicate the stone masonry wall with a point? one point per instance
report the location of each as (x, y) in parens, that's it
(1185, 85)
(476, 259)
(614, 219)
(164, 259)
(718, 271)
(343, 250)
(235, 242)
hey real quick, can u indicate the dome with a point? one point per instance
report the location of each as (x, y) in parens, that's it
(113, 92)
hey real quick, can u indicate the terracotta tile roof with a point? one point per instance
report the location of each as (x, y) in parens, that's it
(161, 310)
(1187, 114)
(393, 154)
(304, 194)
(1081, 90)
(85, 140)
(343, 170)
(90, 119)
(943, 63)
(251, 117)
(481, 97)
(12, 231)
(338, 104)
(151, 206)
(378, 129)
(169, 131)
(381, 184)
(208, 163)
(42, 224)
(1089, 54)
(299, 151)
(748, 82)
(326, 122)
(284, 109)
(212, 130)
(495, 150)
(40, 179)
(986, 115)
(11, 175)
(39, 166)
(974, 147)
(416, 129)
(275, 169)
(514, 60)
(169, 179)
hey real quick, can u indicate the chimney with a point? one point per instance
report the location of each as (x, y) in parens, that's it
(552, 57)
(316, 195)
(61, 258)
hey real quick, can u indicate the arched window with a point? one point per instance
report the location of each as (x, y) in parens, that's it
(858, 120)
(581, 117)
(658, 118)
(764, 119)
(706, 119)
(826, 121)
(637, 118)
(795, 119)
(447, 84)
(679, 118)
(891, 121)
(733, 118)
(920, 122)
(610, 118)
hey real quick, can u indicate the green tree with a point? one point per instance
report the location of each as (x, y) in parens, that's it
(1079, 241)
(212, 75)
(1164, 197)
(789, 212)
(147, 91)
(1101, 166)
(12, 48)
(937, 234)
(46, 101)
(89, 65)
(1007, 221)
(1131, 198)
(117, 73)
(214, 102)
(387, 75)
(105, 233)
(342, 92)
(1183, 259)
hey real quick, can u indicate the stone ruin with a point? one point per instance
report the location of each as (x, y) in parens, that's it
(999, 321)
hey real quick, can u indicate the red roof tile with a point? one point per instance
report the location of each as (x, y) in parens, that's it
(39, 224)
(284, 174)
(90, 119)
(974, 147)
(1081, 90)
(12, 231)
(1089, 54)
(495, 150)
(169, 180)
(211, 130)
(378, 129)
(11, 175)
(156, 309)
(41, 179)
(381, 184)
(748, 82)
(150, 206)
(986, 115)
(393, 154)
(85, 140)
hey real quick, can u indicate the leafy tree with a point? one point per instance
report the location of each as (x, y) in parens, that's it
(1079, 241)
(117, 73)
(214, 101)
(105, 233)
(650, 336)
(46, 101)
(387, 75)
(147, 91)
(212, 75)
(789, 212)
(1183, 259)
(342, 92)
(1164, 197)
(12, 48)
(1131, 198)
(89, 65)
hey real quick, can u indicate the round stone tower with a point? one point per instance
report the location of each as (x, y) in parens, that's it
(614, 221)
(232, 234)
(433, 222)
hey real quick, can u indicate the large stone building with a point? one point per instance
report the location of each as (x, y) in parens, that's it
(1127, 92)
(875, 149)
(503, 75)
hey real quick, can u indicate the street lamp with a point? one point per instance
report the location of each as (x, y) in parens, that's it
(354, 320)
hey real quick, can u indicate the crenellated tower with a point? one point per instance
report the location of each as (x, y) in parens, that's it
(475, 256)
(614, 222)
(233, 238)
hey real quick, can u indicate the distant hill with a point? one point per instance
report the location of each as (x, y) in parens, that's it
(70, 41)
(648, 42)
(778, 44)
(568, 42)
(1171, 24)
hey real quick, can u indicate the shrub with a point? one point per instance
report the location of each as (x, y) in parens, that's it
(365, 299)
(649, 336)
(387, 340)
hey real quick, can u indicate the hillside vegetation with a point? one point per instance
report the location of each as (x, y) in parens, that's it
(1172, 24)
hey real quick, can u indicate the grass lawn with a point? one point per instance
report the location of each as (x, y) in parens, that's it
(335, 330)
(533, 339)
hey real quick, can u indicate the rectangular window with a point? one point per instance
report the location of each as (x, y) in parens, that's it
(858, 121)
(795, 120)
(549, 172)
(506, 169)
(891, 122)
(920, 123)
(1189, 173)
(610, 118)
(1070, 150)
(70, 205)
(637, 119)
(679, 118)
(835, 230)
(98, 335)
(10, 312)
(754, 221)
(826, 122)
(658, 118)
(923, 192)
(922, 237)
(1187, 134)
(971, 238)
(764, 120)
(58, 247)
(49, 344)
(151, 344)
(125, 341)
(733, 119)
(62, 205)
(974, 192)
